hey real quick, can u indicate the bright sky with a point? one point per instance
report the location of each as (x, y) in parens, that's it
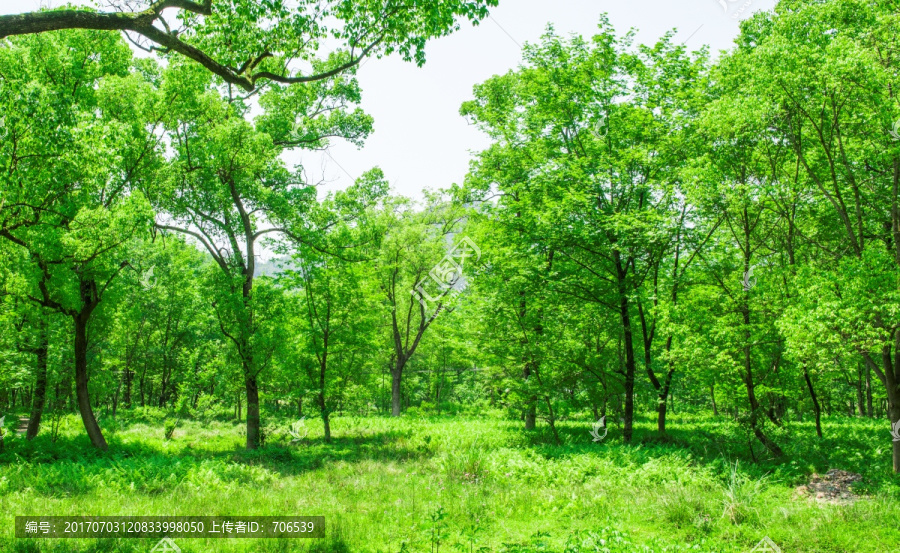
(420, 140)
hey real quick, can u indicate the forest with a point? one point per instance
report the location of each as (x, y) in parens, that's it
(661, 312)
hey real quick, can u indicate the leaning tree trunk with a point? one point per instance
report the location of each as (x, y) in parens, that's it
(81, 382)
(815, 401)
(751, 386)
(40, 386)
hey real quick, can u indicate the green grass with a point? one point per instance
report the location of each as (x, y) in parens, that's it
(433, 484)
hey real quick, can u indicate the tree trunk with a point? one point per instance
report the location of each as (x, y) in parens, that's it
(662, 401)
(629, 370)
(893, 401)
(625, 315)
(895, 418)
(755, 408)
(115, 401)
(531, 407)
(129, 377)
(40, 386)
(396, 375)
(869, 410)
(141, 384)
(326, 420)
(860, 391)
(815, 401)
(552, 420)
(81, 383)
(712, 393)
(252, 412)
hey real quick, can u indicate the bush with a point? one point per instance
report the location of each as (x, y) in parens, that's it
(170, 426)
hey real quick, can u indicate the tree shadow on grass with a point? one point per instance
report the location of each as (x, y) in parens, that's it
(719, 442)
(71, 466)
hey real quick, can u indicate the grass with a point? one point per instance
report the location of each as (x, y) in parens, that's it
(431, 484)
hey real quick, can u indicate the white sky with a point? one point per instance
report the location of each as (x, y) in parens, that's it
(420, 140)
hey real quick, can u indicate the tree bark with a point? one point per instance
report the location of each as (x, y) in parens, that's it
(322, 404)
(129, 377)
(40, 386)
(326, 420)
(531, 407)
(860, 386)
(81, 382)
(663, 396)
(551, 419)
(749, 383)
(869, 408)
(629, 366)
(815, 401)
(252, 412)
(396, 376)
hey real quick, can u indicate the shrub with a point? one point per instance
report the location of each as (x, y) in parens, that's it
(170, 426)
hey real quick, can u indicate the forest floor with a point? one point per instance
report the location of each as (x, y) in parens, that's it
(431, 484)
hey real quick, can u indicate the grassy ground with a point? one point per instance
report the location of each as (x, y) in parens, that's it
(434, 484)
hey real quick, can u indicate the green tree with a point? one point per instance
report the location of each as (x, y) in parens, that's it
(338, 309)
(249, 44)
(584, 168)
(75, 149)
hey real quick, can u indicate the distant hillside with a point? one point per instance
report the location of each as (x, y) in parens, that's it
(273, 266)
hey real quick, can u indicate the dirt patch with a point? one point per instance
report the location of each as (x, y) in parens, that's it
(836, 487)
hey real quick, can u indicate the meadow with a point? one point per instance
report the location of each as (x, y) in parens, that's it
(440, 483)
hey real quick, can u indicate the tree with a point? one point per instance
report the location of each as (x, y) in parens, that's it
(75, 148)
(586, 155)
(248, 43)
(831, 95)
(414, 276)
(337, 307)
